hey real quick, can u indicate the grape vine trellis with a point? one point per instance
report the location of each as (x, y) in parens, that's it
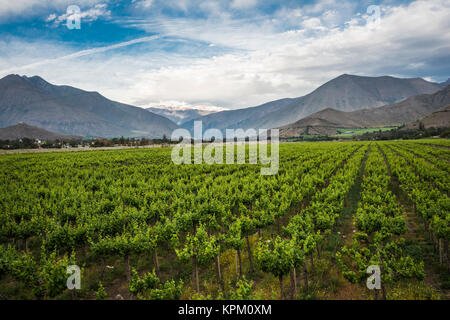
(128, 204)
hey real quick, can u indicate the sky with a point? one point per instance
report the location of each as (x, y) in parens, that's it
(231, 54)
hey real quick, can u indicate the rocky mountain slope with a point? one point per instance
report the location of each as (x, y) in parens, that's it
(344, 93)
(23, 130)
(69, 110)
(409, 110)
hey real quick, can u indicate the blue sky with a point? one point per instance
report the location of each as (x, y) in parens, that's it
(231, 54)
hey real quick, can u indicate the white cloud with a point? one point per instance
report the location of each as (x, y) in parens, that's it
(79, 54)
(183, 106)
(243, 4)
(91, 14)
(51, 17)
(261, 63)
(21, 8)
(313, 24)
(322, 5)
(143, 4)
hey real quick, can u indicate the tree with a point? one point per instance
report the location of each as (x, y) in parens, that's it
(150, 287)
(301, 230)
(243, 290)
(101, 293)
(140, 239)
(278, 257)
(233, 239)
(388, 255)
(248, 227)
(200, 248)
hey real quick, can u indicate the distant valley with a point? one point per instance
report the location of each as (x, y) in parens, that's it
(182, 114)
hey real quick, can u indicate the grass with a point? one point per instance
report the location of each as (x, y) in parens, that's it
(327, 281)
(356, 132)
(343, 133)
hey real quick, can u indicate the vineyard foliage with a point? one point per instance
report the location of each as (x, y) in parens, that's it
(200, 231)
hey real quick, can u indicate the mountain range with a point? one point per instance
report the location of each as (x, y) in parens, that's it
(181, 114)
(344, 93)
(327, 121)
(437, 119)
(348, 101)
(23, 130)
(68, 110)
(446, 83)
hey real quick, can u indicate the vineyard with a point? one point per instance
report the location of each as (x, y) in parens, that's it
(141, 227)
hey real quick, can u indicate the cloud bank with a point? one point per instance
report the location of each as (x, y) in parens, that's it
(224, 59)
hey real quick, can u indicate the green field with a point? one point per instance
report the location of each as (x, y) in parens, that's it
(141, 227)
(343, 133)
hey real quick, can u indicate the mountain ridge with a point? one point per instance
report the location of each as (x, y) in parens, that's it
(328, 120)
(437, 119)
(70, 110)
(24, 130)
(179, 115)
(344, 93)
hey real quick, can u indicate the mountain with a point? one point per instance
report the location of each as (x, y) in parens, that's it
(328, 120)
(446, 83)
(23, 130)
(69, 110)
(240, 118)
(344, 93)
(409, 110)
(184, 113)
(438, 119)
(325, 122)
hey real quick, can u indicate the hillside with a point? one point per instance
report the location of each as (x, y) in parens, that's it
(325, 122)
(344, 93)
(240, 118)
(445, 83)
(23, 130)
(438, 119)
(69, 110)
(409, 110)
